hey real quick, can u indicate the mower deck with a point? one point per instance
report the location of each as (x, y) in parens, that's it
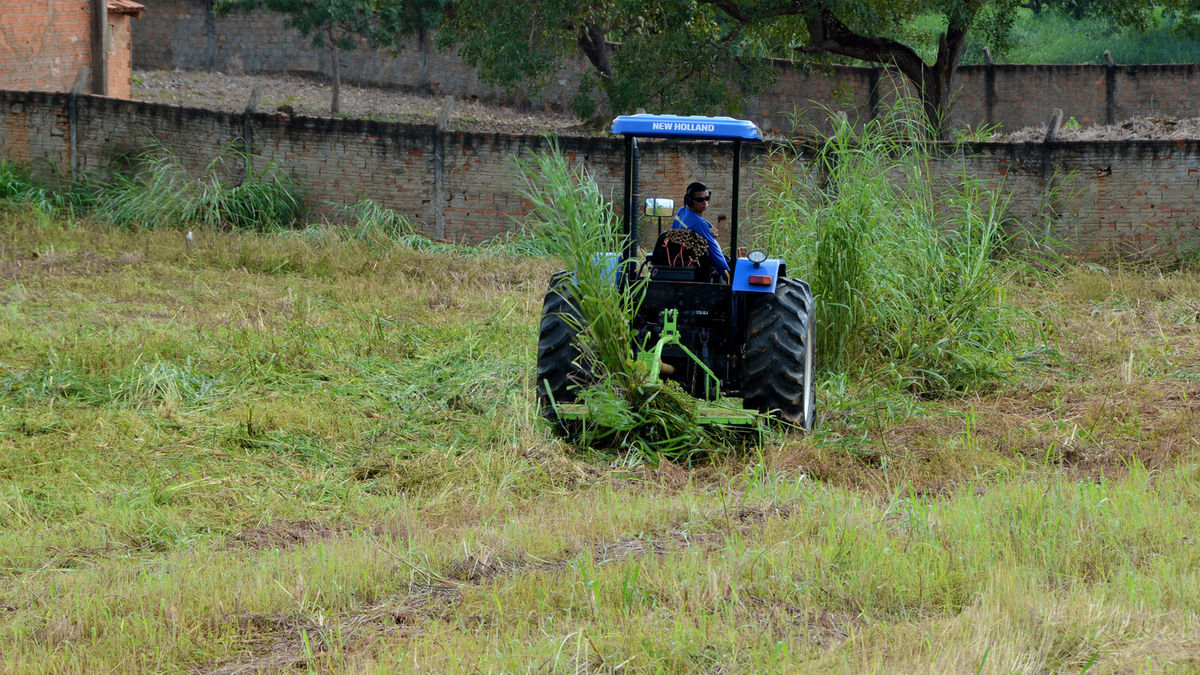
(706, 414)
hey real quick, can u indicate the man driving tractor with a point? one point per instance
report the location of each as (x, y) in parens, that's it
(690, 217)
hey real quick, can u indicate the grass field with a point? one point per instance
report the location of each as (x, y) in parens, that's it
(265, 452)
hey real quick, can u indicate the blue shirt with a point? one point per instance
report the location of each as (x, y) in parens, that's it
(687, 219)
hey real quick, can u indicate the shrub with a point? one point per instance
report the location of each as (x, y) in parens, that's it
(907, 270)
(160, 191)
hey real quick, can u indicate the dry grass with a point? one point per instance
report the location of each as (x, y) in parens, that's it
(268, 453)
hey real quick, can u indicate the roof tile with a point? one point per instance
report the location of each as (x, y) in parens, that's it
(125, 7)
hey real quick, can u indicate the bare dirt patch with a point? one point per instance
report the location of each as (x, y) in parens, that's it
(297, 95)
(283, 535)
(290, 94)
(1133, 129)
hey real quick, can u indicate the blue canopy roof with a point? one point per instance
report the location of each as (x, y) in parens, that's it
(687, 126)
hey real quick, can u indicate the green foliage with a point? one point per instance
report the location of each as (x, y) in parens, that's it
(677, 56)
(703, 56)
(907, 272)
(161, 191)
(572, 221)
(156, 190)
(342, 22)
(19, 187)
(376, 225)
(1055, 36)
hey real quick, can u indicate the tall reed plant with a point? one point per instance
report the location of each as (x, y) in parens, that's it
(571, 220)
(161, 191)
(907, 266)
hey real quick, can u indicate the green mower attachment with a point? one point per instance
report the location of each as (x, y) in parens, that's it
(706, 414)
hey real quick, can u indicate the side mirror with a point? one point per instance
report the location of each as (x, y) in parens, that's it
(662, 208)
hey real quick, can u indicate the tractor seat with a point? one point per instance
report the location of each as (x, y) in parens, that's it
(680, 255)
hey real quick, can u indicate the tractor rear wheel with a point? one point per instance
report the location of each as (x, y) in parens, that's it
(558, 366)
(779, 354)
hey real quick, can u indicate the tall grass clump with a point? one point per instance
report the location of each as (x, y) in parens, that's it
(374, 224)
(62, 195)
(17, 186)
(571, 220)
(161, 191)
(907, 267)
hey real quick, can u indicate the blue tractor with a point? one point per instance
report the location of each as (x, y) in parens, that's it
(749, 335)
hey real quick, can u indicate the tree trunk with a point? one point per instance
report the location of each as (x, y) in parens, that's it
(335, 62)
(829, 34)
(937, 100)
(594, 45)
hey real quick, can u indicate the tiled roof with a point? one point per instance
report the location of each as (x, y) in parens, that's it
(125, 7)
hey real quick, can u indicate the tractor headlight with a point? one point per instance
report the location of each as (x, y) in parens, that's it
(756, 257)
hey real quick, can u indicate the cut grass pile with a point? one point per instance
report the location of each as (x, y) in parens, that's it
(261, 452)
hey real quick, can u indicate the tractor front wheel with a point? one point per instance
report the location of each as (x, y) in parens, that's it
(779, 354)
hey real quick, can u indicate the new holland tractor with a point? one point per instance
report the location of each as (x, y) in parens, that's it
(749, 335)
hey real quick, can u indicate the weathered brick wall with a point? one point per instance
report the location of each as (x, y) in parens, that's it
(43, 44)
(1171, 90)
(1128, 198)
(182, 34)
(34, 128)
(120, 55)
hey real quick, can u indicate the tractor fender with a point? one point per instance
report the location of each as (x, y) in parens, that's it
(760, 278)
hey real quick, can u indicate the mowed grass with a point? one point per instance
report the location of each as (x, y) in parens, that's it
(265, 452)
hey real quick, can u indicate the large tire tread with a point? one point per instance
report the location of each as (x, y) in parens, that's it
(557, 355)
(778, 346)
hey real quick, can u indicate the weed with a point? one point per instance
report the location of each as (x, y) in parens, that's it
(909, 274)
(572, 221)
(156, 191)
(161, 191)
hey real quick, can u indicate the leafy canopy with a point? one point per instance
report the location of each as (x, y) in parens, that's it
(381, 23)
(692, 56)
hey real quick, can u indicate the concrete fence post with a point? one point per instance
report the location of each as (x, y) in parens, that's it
(73, 119)
(439, 169)
(100, 47)
(247, 139)
(210, 36)
(873, 93)
(989, 86)
(1110, 89)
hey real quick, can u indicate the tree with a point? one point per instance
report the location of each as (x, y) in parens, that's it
(672, 54)
(704, 55)
(340, 25)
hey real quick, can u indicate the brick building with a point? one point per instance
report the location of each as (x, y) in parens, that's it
(44, 44)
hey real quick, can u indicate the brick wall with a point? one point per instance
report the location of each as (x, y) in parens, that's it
(120, 55)
(43, 44)
(1128, 198)
(182, 34)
